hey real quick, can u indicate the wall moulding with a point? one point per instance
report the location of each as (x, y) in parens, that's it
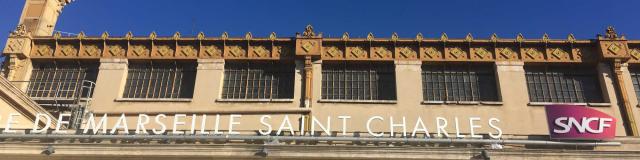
(376, 49)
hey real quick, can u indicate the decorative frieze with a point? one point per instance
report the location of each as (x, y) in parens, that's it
(532, 53)
(115, 50)
(210, 50)
(357, 52)
(432, 52)
(406, 51)
(333, 51)
(91, 49)
(482, 52)
(43, 50)
(139, 50)
(382, 51)
(634, 52)
(456, 52)
(420, 48)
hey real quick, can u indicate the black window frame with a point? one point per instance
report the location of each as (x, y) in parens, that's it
(371, 80)
(146, 79)
(258, 80)
(455, 82)
(62, 79)
(579, 83)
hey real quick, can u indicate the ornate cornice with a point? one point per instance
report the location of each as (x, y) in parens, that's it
(345, 47)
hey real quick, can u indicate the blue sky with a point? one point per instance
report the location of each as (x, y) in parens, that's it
(507, 18)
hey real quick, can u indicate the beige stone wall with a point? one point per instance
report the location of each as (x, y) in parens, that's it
(517, 116)
(20, 121)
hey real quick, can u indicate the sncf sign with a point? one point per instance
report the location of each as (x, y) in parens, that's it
(579, 122)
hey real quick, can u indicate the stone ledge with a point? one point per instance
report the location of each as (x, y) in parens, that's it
(580, 104)
(358, 101)
(153, 100)
(463, 102)
(256, 100)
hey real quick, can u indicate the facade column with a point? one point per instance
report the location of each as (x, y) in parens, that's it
(512, 83)
(629, 120)
(408, 76)
(112, 76)
(17, 65)
(614, 50)
(208, 83)
(308, 79)
(633, 97)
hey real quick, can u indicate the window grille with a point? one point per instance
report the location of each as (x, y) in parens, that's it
(358, 81)
(635, 79)
(460, 82)
(160, 79)
(61, 79)
(258, 80)
(563, 84)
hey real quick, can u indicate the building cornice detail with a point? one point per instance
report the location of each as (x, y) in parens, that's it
(467, 49)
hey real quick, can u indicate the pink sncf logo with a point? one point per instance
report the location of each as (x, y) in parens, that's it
(579, 123)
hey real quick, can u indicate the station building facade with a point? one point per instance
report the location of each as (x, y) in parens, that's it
(503, 82)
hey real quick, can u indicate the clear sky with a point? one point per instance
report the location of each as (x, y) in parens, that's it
(507, 18)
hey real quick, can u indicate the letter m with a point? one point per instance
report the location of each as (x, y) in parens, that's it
(91, 124)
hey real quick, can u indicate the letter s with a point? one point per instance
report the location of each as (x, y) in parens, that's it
(565, 128)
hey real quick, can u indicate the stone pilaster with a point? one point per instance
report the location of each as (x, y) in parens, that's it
(17, 65)
(112, 77)
(317, 81)
(209, 79)
(512, 83)
(408, 82)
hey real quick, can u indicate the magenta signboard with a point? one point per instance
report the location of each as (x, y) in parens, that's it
(579, 123)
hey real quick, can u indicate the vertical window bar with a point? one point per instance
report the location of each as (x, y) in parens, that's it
(358, 81)
(563, 84)
(153, 80)
(258, 80)
(459, 82)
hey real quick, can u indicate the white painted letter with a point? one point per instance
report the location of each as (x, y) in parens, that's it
(11, 121)
(262, 120)
(315, 121)
(441, 124)
(473, 126)
(420, 123)
(143, 119)
(344, 124)
(287, 122)
(491, 120)
(233, 122)
(164, 127)
(403, 125)
(60, 122)
(91, 124)
(121, 123)
(369, 126)
(37, 121)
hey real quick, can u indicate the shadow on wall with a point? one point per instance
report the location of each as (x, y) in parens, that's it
(1, 59)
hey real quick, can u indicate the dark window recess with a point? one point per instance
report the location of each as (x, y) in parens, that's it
(463, 82)
(635, 78)
(563, 84)
(61, 79)
(258, 80)
(160, 79)
(358, 81)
